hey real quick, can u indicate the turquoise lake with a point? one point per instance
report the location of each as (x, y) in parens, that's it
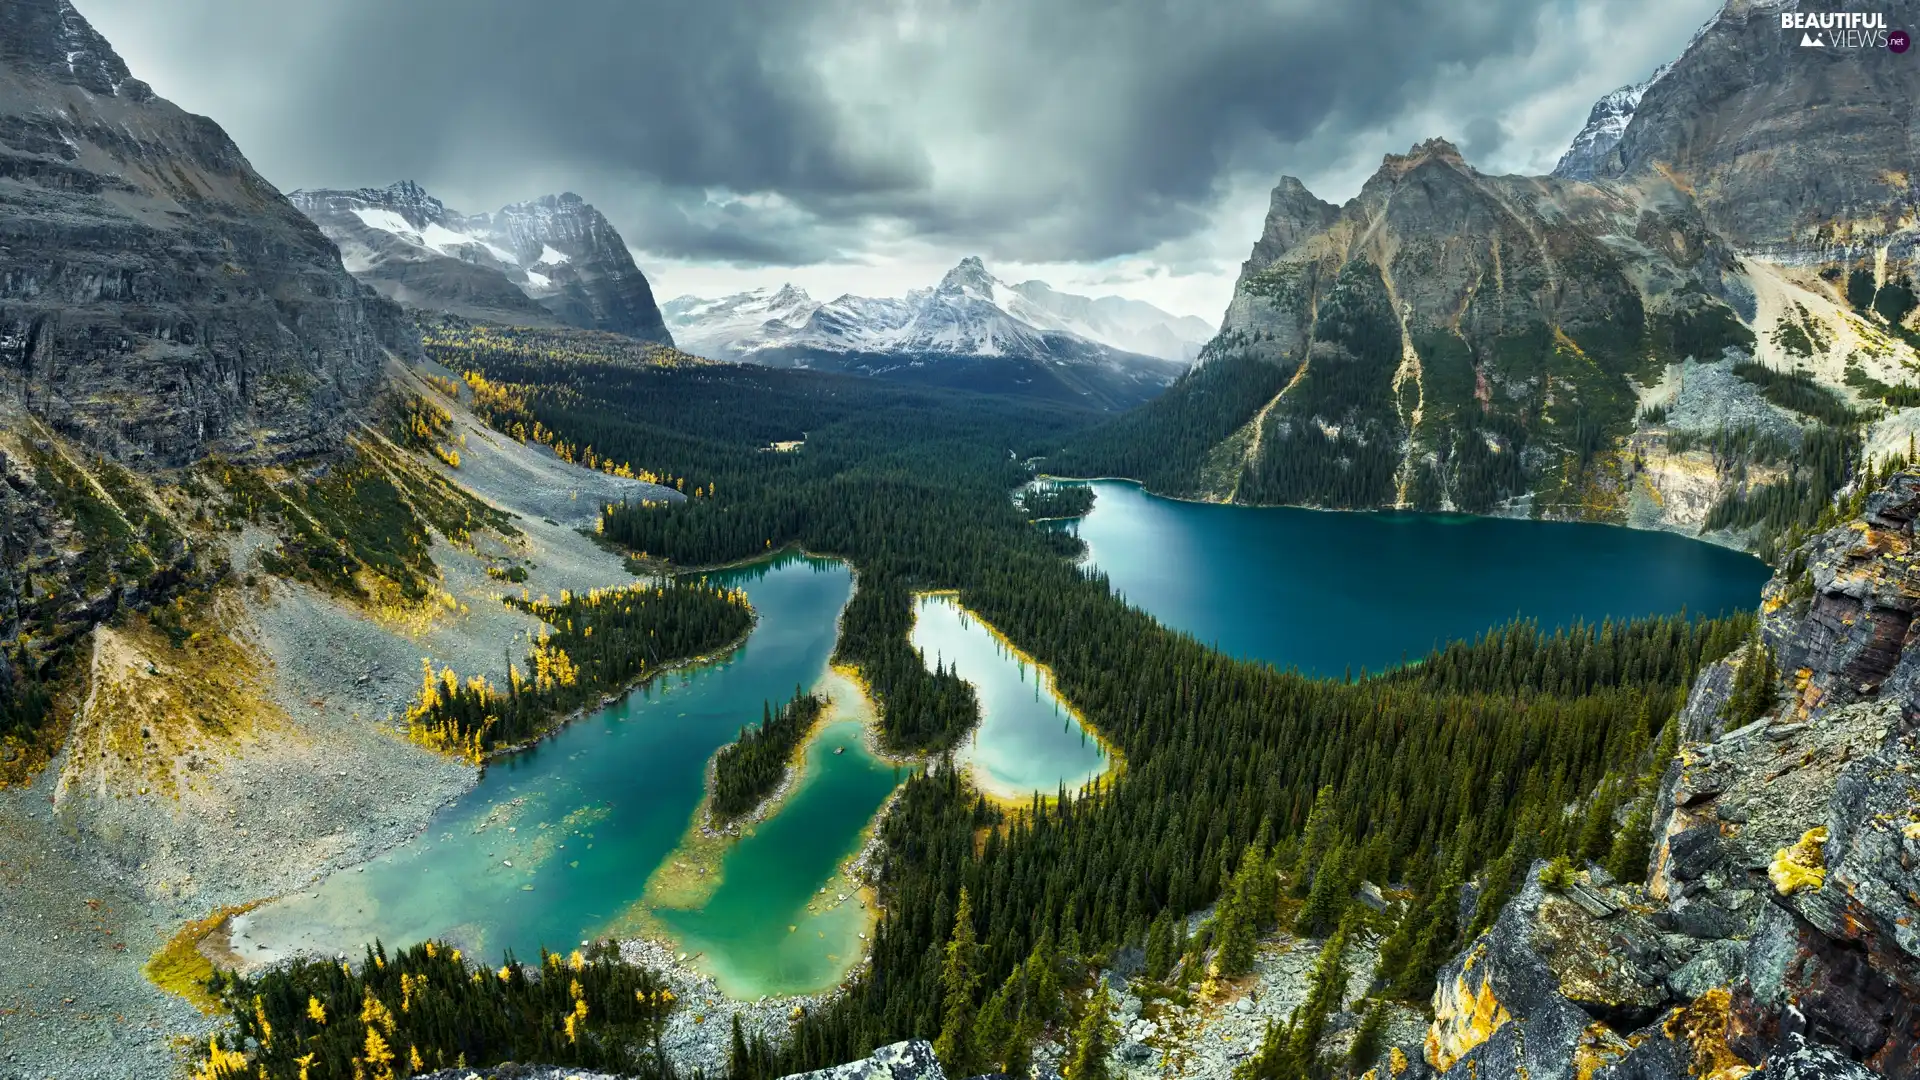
(559, 843)
(1028, 739)
(1325, 592)
(556, 844)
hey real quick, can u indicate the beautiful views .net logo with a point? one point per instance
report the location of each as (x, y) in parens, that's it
(1841, 29)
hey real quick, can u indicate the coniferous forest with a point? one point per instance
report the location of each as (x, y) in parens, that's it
(1243, 783)
(748, 769)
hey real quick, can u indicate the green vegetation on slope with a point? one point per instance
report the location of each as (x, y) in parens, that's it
(598, 641)
(1165, 443)
(1334, 440)
(1048, 500)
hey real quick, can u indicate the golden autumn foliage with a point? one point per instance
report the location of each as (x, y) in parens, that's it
(416, 1011)
(594, 642)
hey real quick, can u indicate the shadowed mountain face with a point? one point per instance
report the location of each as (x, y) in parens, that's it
(1791, 151)
(160, 300)
(555, 261)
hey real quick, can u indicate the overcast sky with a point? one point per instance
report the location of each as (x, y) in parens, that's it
(1107, 146)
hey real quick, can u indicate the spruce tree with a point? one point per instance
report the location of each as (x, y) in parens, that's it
(1093, 1039)
(1327, 900)
(1160, 945)
(739, 1060)
(959, 975)
(1368, 1040)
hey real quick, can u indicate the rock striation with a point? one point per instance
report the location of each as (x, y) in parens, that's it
(159, 300)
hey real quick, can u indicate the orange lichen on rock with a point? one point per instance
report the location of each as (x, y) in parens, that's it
(1802, 866)
(1463, 1017)
(1702, 1026)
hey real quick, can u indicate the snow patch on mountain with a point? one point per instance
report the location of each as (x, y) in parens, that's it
(554, 258)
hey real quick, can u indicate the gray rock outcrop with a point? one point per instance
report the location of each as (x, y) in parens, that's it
(158, 299)
(1792, 151)
(1775, 929)
(912, 1060)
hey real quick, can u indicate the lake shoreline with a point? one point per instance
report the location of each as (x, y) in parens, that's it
(1720, 539)
(1116, 762)
(693, 872)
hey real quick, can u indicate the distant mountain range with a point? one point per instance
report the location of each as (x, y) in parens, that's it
(552, 261)
(969, 330)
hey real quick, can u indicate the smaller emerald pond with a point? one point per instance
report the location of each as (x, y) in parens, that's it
(1028, 739)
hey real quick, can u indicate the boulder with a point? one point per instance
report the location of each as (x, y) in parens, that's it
(911, 1060)
(1545, 988)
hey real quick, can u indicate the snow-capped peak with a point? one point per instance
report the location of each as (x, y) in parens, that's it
(968, 313)
(969, 278)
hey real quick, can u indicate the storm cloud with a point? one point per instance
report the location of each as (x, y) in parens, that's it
(789, 132)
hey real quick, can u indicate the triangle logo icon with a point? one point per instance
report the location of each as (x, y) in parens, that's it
(1808, 41)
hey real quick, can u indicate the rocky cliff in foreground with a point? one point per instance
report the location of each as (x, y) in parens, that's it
(1776, 928)
(158, 299)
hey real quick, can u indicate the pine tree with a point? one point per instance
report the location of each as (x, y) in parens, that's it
(1160, 945)
(1093, 1039)
(1368, 1040)
(739, 1060)
(1314, 838)
(959, 975)
(1633, 845)
(1327, 900)
(1753, 690)
(1275, 1060)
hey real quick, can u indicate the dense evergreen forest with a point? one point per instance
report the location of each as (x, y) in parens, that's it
(748, 769)
(1461, 768)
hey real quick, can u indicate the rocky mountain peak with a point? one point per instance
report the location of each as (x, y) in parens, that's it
(554, 258)
(51, 40)
(1827, 179)
(790, 295)
(1293, 214)
(1433, 150)
(403, 197)
(970, 275)
(1606, 122)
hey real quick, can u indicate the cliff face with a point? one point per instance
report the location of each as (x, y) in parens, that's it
(597, 285)
(1457, 334)
(1791, 151)
(159, 300)
(1774, 931)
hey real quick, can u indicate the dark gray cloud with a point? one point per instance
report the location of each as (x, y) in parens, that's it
(786, 132)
